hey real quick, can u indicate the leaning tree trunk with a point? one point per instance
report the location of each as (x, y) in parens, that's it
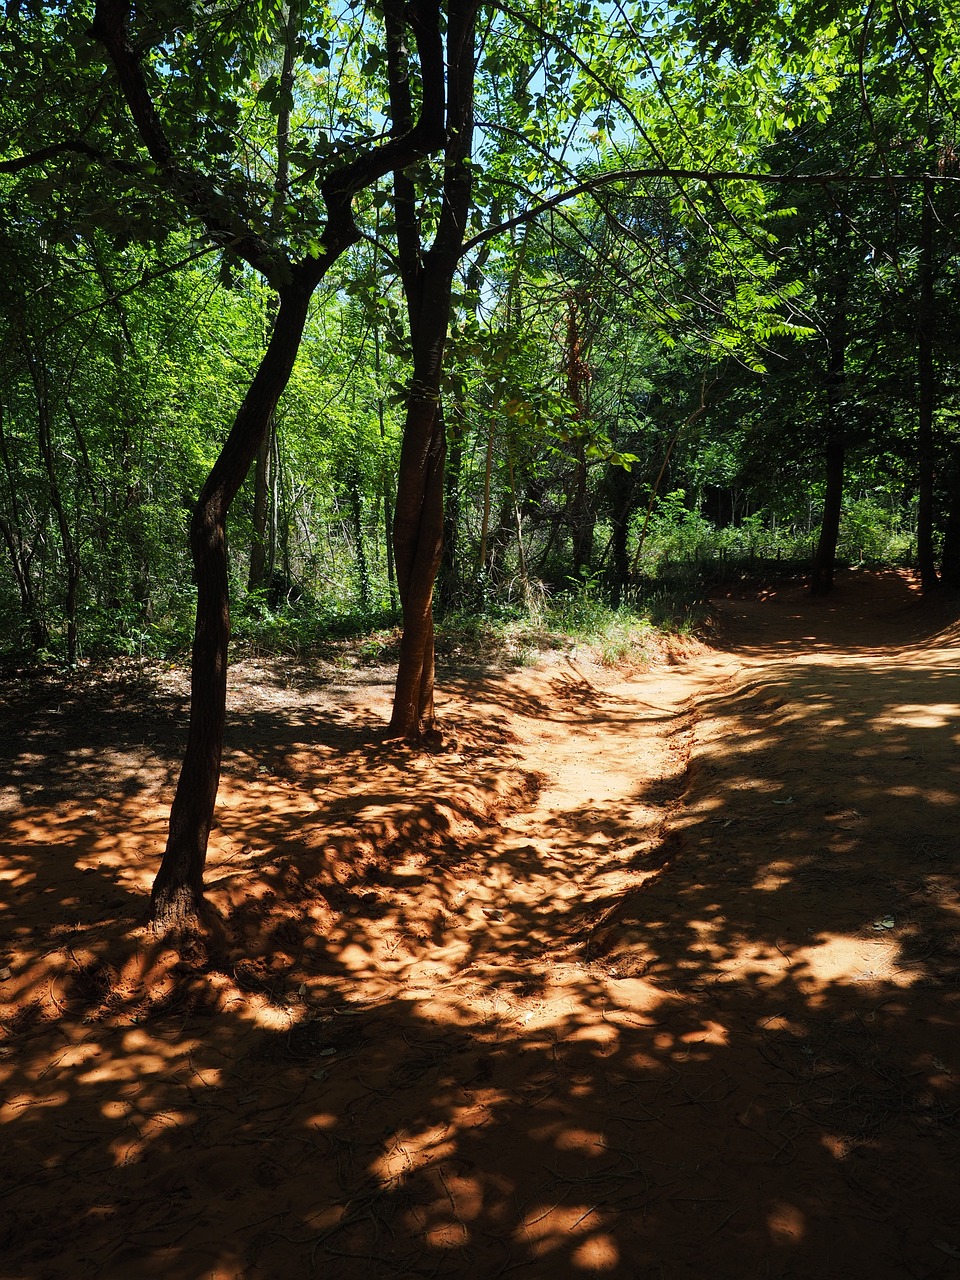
(178, 889)
(177, 898)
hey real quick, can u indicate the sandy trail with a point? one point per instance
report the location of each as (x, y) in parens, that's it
(649, 974)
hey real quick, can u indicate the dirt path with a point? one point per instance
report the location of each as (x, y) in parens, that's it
(648, 974)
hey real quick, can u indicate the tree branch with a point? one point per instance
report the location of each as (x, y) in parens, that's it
(698, 175)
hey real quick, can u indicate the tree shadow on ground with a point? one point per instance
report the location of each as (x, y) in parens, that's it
(746, 1064)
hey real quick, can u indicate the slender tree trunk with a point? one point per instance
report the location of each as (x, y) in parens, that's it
(71, 554)
(483, 557)
(448, 579)
(621, 487)
(356, 519)
(950, 559)
(385, 492)
(821, 579)
(21, 555)
(521, 550)
(580, 512)
(263, 547)
(263, 544)
(925, 387)
(824, 560)
(177, 898)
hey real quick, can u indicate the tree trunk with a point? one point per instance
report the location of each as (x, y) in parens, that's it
(581, 516)
(925, 390)
(263, 544)
(177, 899)
(385, 493)
(824, 561)
(356, 518)
(449, 587)
(582, 521)
(821, 579)
(427, 282)
(621, 487)
(950, 559)
(21, 555)
(178, 889)
(71, 554)
(418, 545)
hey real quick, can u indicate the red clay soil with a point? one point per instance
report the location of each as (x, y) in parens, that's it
(647, 973)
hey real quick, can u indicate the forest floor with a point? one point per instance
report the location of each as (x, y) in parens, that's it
(648, 972)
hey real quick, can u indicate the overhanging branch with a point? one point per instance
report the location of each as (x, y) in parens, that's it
(699, 175)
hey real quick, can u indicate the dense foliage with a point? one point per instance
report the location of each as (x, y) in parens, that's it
(639, 377)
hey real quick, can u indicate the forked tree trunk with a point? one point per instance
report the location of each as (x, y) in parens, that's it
(177, 898)
(428, 283)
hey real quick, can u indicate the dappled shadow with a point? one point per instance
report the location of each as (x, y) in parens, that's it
(867, 612)
(700, 1020)
(618, 1131)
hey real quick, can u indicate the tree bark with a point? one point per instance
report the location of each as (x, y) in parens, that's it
(824, 560)
(71, 553)
(177, 897)
(925, 397)
(178, 890)
(580, 511)
(449, 586)
(821, 578)
(356, 516)
(621, 487)
(418, 543)
(21, 555)
(263, 547)
(950, 558)
(428, 282)
(263, 543)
